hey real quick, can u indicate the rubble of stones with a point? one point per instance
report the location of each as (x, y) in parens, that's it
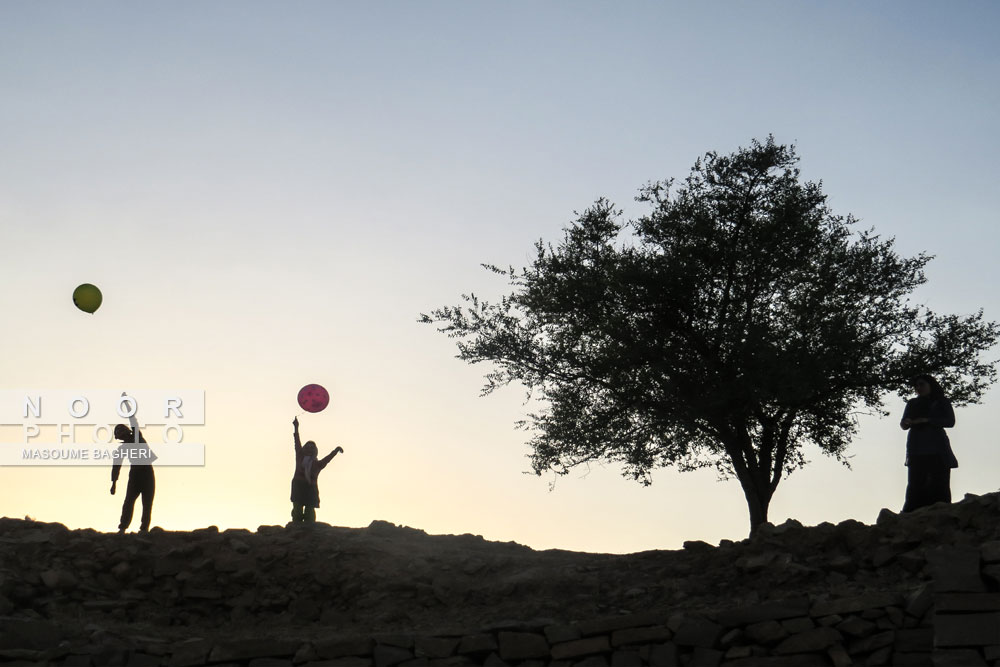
(916, 589)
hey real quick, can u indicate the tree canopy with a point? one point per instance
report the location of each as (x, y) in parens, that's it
(736, 321)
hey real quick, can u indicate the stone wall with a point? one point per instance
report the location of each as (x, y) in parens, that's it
(966, 605)
(953, 621)
(924, 589)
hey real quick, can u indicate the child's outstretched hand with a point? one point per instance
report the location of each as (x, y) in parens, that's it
(339, 449)
(295, 423)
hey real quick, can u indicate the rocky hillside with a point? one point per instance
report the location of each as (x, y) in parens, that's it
(301, 582)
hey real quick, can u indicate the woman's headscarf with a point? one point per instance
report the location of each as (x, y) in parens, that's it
(936, 390)
(921, 406)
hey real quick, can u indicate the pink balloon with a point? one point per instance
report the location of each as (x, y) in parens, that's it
(313, 398)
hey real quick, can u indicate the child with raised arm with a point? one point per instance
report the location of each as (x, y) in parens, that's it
(305, 490)
(141, 481)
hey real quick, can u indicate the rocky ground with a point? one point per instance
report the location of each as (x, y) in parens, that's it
(298, 582)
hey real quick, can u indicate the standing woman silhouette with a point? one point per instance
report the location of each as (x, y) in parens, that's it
(928, 449)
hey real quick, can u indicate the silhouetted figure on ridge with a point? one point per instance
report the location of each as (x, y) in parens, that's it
(141, 481)
(928, 449)
(305, 490)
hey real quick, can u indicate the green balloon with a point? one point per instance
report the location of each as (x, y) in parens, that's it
(87, 297)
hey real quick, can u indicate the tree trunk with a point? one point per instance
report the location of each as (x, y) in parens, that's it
(758, 499)
(755, 481)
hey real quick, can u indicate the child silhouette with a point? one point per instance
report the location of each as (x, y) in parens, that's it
(141, 480)
(305, 490)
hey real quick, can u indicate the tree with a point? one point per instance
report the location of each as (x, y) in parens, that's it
(736, 321)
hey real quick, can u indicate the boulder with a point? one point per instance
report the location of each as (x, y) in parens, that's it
(809, 641)
(990, 551)
(799, 624)
(454, 661)
(522, 645)
(885, 516)
(19, 633)
(652, 635)
(264, 662)
(386, 656)
(768, 611)
(709, 657)
(958, 658)
(434, 647)
(954, 630)
(612, 623)
(696, 631)
(664, 655)
(856, 603)
(955, 569)
(915, 640)
(765, 632)
(872, 643)
(857, 627)
(344, 645)
(580, 648)
(480, 643)
(561, 633)
(247, 649)
(959, 602)
(626, 658)
(189, 654)
(59, 579)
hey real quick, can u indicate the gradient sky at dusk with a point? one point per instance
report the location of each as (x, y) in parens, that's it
(269, 194)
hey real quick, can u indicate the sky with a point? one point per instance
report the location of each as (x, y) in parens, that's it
(270, 194)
